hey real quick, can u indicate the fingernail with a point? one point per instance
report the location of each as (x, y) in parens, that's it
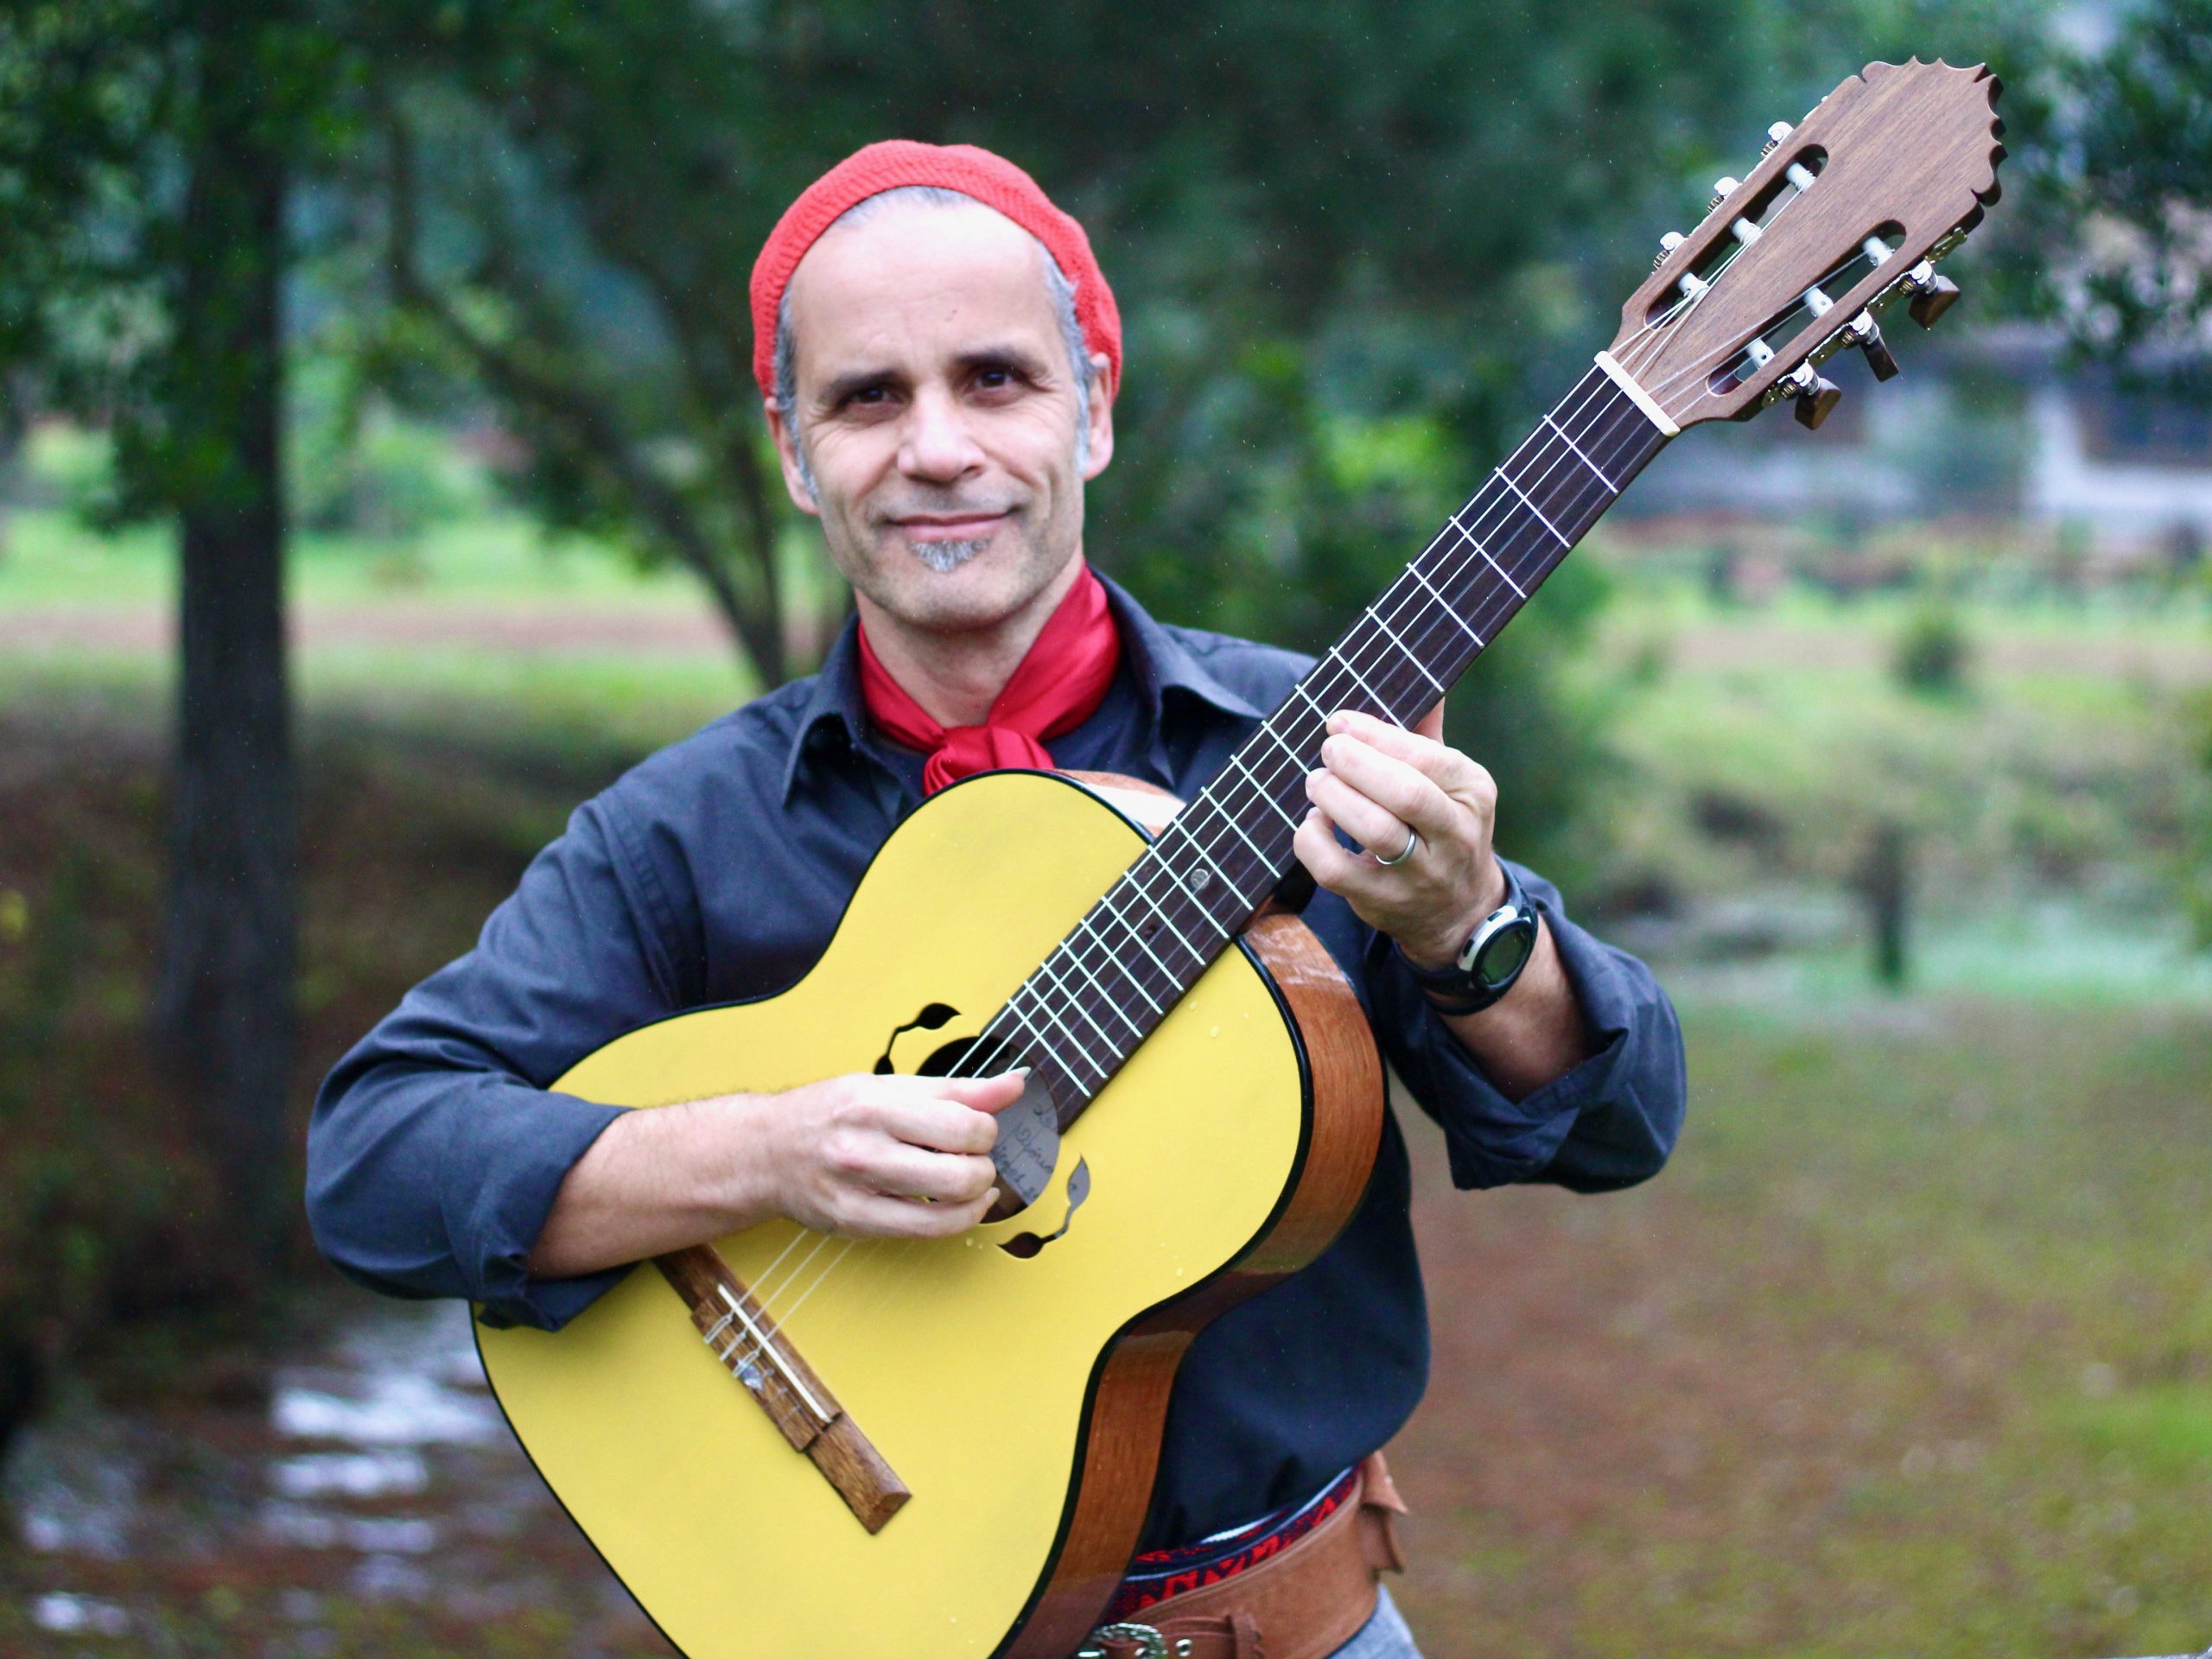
(1021, 1071)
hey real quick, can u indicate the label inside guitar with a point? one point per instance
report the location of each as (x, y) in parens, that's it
(1029, 1142)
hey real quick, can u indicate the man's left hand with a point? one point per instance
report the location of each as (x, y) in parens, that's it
(1380, 783)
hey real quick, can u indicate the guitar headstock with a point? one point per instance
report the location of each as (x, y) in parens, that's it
(1844, 214)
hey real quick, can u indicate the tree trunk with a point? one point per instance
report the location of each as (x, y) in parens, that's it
(1886, 881)
(223, 1011)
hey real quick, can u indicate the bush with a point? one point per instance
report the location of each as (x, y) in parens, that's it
(2196, 847)
(1932, 652)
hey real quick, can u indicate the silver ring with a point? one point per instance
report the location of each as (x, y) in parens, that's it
(1413, 840)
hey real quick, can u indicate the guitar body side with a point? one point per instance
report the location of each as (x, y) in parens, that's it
(1022, 1401)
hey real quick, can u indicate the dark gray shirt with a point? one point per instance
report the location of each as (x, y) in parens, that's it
(717, 869)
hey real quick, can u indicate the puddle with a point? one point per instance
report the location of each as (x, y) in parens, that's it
(379, 1476)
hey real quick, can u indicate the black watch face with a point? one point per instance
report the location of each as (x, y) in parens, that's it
(1505, 950)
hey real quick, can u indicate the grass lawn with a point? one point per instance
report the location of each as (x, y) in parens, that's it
(1910, 1351)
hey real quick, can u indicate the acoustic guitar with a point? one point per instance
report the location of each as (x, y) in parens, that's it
(808, 1446)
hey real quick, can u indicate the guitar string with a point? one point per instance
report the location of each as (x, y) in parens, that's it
(1083, 966)
(1571, 409)
(852, 1282)
(901, 1257)
(766, 1291)
(900, 1262)
(1077, 945)
(1262, 789)
(1689, 301)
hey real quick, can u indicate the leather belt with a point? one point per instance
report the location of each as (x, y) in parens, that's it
(1304, 1603)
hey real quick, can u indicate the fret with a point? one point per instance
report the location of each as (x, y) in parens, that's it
(1230, 818)
(1013, 1009)
(1136, 883)
(1533, 507)
(1446, 606)
(1405, 651)
(1045, 1045)
(1584, 459)
(1410, 655)
(1165, 977)
(1076, 960)
(1053, 979)
(1358, 679)
(1297, 759)
(1073, 1039)
(1087, 926)
(1190, 840)
(1237, 761)
(1320, 714)
(1469, 535)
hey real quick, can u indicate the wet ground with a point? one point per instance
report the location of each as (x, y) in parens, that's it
(373, 1502)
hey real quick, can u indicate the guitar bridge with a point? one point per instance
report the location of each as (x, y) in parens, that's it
(764, 1364)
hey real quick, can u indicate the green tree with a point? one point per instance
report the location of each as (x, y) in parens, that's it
(146, 154)
(1355, 245)
(2126, 167)
(2125, 159)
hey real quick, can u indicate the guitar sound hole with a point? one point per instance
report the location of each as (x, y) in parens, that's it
(933, 1017)
(971, 1056)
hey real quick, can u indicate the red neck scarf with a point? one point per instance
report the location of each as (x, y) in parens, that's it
(1055, 687)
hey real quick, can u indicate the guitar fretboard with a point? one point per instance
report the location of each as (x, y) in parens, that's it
(1112, 980)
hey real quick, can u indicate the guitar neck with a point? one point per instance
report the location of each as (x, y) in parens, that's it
(1147, 942)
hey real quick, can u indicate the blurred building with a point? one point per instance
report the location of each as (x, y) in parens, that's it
(1998, 424)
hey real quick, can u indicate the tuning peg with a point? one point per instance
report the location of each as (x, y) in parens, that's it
(1723, 187)
(1775, 135)
(1668, 244)
(1813, 406)
(1931, 299)
(1866, 334)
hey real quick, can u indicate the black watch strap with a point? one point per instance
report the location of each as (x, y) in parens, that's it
(1489, 962)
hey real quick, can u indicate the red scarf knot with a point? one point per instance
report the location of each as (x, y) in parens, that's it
(1057, 686)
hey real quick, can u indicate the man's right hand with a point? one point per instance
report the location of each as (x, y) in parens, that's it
(884, 1157)
(887, 1157)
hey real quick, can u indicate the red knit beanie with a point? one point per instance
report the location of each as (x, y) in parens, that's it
(991, 179)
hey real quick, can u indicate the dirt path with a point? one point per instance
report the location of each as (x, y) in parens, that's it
(1754, 645)
(555, 628)
(523, 629)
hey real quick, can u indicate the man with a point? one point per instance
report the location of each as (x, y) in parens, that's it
(938, 354)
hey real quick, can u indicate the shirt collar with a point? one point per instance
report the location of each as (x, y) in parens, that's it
(835, 706)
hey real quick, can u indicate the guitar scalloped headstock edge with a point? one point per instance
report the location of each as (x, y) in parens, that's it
(1845, 214)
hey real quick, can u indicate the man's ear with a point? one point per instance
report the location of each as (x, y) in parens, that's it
(1102, 414)
(787, 452)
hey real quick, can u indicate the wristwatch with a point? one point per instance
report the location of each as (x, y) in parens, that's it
(1489, 962)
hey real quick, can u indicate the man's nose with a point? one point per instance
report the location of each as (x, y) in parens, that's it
(938, 446)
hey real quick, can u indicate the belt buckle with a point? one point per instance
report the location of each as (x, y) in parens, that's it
(1151, 1644)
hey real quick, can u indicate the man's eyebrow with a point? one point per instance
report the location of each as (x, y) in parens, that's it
(840, 387)
(1003, 356)
(1019, 359)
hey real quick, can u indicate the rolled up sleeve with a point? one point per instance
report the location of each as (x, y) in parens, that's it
(437, 1150)
(1609, 1122)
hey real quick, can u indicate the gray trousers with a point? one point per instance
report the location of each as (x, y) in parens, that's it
(1383, 1637)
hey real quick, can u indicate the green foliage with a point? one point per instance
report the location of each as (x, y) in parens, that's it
(103, 103)
(1354, 255)
(362, 468)
(2132, 161)
(2195, 862)
(1932, 652)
